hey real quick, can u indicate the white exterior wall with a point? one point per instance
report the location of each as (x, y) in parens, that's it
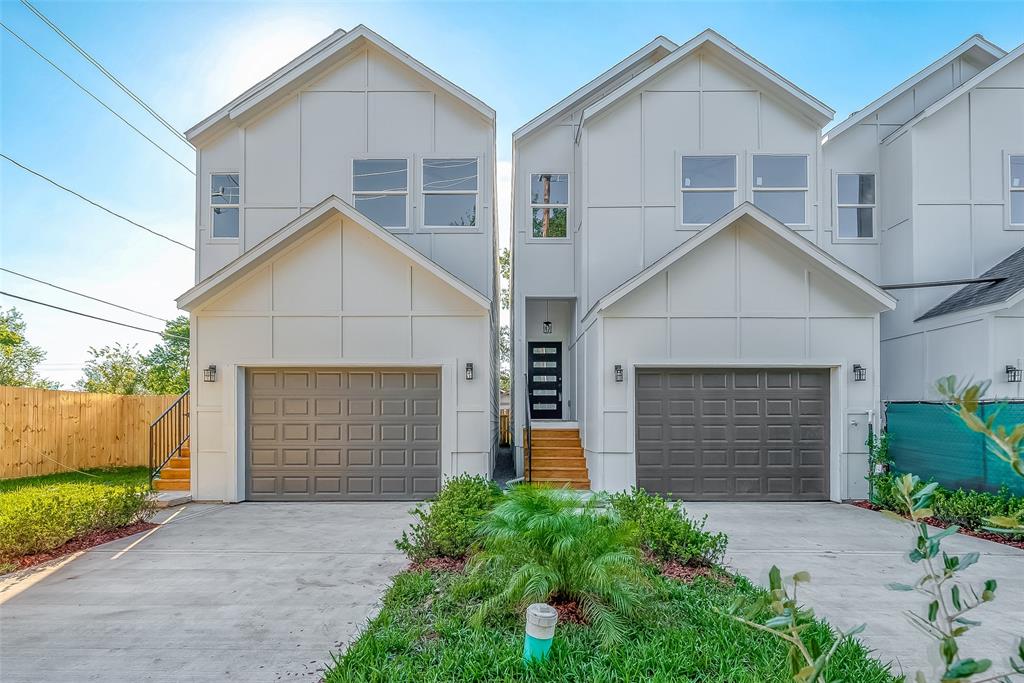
(338, 297)
(298, 153)
(742, 299)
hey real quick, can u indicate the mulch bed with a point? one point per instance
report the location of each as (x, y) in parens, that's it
(687, 574)
(569, 612)
(75, 545)
(455, 565)
(982, 534)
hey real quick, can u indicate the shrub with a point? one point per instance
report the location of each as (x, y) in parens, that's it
(965, 508)
(666, 531)
(40, 518)
(548, 544)
(447, 526)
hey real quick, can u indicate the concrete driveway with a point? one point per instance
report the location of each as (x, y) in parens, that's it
(852, 554)
(250, 592)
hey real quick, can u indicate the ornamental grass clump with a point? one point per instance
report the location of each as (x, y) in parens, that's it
(551, 545)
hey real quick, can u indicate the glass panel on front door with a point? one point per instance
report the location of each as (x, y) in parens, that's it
(545, 380)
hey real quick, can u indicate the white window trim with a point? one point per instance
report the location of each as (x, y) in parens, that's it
(421, 160)
(531, 206)
(806, 189)
(408, 186)
(209, 215)
(875, 229)
(680, 190)
(1010, 225)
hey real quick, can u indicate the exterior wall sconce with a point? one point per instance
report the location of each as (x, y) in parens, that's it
(210, 374)
(860, 373)
(469, 371)
(1013, 373)
(618, 373)
(547, 326)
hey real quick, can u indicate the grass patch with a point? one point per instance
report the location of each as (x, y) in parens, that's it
(423, 634)
(115, 476)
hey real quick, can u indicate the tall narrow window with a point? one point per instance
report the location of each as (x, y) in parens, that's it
(549, 204)
(709, 188)
(780, 186)
(224, 197)
(450, 189)
(380, 190)
(1017, 189)
(855, 205)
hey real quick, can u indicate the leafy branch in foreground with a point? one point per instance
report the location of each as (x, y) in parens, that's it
(949, 600)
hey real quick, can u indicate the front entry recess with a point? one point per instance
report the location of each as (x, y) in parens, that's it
(545, 385)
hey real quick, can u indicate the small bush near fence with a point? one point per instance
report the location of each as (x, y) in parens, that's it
(962, 507)
(36, 519)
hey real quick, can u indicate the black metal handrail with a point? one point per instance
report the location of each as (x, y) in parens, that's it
(168, 434)
(528, 428)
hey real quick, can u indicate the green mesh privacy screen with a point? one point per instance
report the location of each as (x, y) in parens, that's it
(930, 441)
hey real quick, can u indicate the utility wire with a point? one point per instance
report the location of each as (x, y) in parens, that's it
(94, 317)
(119, 84)
(90, 94)
(84, 296)
(96, 204)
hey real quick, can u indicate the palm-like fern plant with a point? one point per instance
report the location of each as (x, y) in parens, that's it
(550, 545)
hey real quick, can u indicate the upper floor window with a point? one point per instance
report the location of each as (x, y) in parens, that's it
(450, 188)
(1017, 189)
(224, 198)
(855, 205)
(549, 204)
(708, 188)
(380, 190)
(780, 186)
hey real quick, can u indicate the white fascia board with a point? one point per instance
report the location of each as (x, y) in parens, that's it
(812, 107)
(975, 41)
(265, 250)
(746, 209)
(954, 94)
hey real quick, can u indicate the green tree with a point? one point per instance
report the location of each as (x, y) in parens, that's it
(117, 369)
(167, 364)
(19, 358)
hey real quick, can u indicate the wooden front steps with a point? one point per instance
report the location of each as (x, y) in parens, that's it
(558, 459)
(176, 475)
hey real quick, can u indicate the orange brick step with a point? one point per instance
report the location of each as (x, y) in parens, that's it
(578, 484)
(172, 484)
(174, 473)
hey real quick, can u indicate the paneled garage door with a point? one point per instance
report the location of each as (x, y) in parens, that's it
(733, 434)
(343, 434)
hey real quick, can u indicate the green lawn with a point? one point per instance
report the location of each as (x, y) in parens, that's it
(422, 634)
(117, 476)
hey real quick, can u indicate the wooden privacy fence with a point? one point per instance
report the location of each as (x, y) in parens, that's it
(46, 431)
(504, 427)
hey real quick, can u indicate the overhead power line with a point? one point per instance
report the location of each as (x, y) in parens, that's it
(96, 204)
(138, 100)
(94, 317)
(93, 96)
(84, 296)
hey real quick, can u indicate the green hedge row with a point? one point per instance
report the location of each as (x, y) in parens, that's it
(964, 508)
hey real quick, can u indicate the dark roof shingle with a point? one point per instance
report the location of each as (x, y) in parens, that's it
(985, 293)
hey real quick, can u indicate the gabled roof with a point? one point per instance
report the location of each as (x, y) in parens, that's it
(976, 43)
(954, 94)
(312, 63)
(812, 107)
(660, 46)
(293, 231)
(772, 225)
(1000, 294)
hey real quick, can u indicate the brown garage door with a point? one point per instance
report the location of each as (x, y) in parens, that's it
(343, 434)
(733, 434)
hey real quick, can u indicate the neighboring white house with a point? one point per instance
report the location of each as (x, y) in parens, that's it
(672, 296)
(345, 266)
(926, 184)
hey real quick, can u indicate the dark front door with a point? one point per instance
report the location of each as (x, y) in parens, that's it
(545, 373)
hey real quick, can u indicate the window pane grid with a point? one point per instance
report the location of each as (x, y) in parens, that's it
(380, 188)
(1017, 189)
(225, 197)
(780, 185)
(855, 205)
(709, 186)
(449, 188)
(549, 205)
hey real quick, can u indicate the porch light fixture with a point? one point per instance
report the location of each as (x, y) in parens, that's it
(1013, 373)
(469, 371)
(618, 373)
(860, 373)
(547, 326)
(210, 374)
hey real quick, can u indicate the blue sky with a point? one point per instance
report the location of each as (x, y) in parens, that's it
(186, 59)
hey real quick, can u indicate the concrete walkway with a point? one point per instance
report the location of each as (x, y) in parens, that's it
(852, 554)
(250, 592)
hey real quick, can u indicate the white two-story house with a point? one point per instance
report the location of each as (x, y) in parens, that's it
(674, 300)
(344, 313)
